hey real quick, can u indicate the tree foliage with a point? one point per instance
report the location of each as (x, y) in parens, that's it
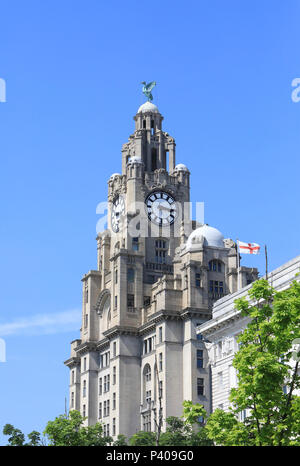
(267, 374)
(70, 431)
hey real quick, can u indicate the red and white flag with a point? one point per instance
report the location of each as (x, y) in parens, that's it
(248, 248)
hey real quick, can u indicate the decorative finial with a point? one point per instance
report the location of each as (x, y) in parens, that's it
(147, 88)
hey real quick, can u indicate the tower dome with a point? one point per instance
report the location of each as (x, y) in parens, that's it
(205, 235)
(181, 167)
(148, 107)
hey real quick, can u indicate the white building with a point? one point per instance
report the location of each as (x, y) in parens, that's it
(158, 275)
(221, 332)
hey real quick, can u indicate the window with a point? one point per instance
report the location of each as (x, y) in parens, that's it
(106, 383)
(147, 422)
(160, 389)
(200, 387)
(215, 266)
(135, 244)
(100, 386)
(114, 426)
(153, 160)
(86, 292)
(114, 375)
(84, 388)
(107, 408)
(72, 400)
(160, 362)
(114, 401)
(130, 300)
(83, 411)
(116, 276)
(220, 379)
(198, 280)
(86, 319)
(100, 411)
(148, 373)
(116, 302)
(114, 349)
(130, 275)
(160, 334)
(73, 377)
(216, 288)
(148, 398)
(200, 359)
(160, 251)
(107, 430)
(147, 301)
(84, 364)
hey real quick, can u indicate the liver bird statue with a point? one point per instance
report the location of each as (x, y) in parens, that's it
(147, 88)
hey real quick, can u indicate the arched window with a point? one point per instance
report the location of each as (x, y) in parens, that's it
(147, 372)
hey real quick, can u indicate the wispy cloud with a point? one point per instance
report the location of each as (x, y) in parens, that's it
(41, 324)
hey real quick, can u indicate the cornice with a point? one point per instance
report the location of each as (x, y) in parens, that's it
(86, 347)
(72, 362)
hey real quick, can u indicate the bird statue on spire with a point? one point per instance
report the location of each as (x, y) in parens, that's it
(147, 88)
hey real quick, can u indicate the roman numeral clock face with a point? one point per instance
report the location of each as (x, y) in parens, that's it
(118, 209)
(161, 208)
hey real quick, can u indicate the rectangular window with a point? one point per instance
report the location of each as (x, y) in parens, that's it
(100, 386)
(107, 408)
(104, 409)
(147, 301)
(160, 393)
(116, 302)
(160, 334)
(148, 397)
(86, 319)
(114, 349)
(83, 411)
(84, 364)
(200, 387)
(200, 359)
(105, 389)
(114, 426)
(114, 401)
(72, 400)
(135, 244)
(160, 362)
(100, 410)
(198, 280)
(73, 377)
(84, 388)
(220, 379)
(116, 276)
(108, 383)
(114, 375)
(130, 300)
(130, 275)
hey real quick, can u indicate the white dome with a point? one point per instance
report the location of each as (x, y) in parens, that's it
(114, 175)
(205, 235)
(148, 107)
(181, 167)
(135, 159)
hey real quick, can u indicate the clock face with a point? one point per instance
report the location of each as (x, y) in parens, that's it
(118, 209)
(161, 208)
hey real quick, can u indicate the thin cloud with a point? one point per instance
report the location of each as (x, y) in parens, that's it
(41, 324)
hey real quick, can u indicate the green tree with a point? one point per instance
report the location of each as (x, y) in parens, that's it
(16, 437)
(69, 431)
(121, 441)
(143, 439)
(267, 374)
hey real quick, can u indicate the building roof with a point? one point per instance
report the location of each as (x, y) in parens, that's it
(148, 107)
(205, 235)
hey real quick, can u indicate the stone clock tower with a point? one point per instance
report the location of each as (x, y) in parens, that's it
(138, 356)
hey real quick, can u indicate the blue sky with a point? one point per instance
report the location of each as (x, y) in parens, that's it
(73, 72)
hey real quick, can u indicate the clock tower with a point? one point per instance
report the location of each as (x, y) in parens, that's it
(158, 273)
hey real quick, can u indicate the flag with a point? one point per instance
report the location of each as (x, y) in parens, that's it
(248, 248)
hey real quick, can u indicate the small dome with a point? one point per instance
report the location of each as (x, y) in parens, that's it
(135, 159)
(205, 235)
(148, 107)
(114, 175)
(181, 167)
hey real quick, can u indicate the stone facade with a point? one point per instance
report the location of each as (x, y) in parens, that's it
(221, 332)
(158, 275)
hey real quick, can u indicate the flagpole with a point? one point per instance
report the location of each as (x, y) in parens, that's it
(266, 255)
(238, 264)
